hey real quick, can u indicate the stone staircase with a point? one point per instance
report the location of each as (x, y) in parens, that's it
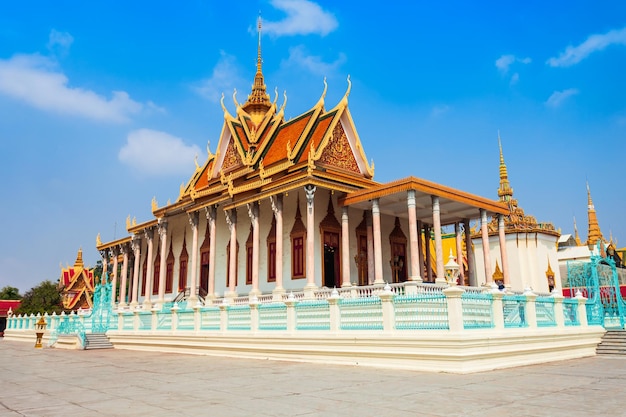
(613, 343)
(97, 341)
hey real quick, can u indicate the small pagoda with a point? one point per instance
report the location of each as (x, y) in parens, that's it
(77, 285)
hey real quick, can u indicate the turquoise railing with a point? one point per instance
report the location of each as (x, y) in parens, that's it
(361, 313)
(210, 318)
(312, 315)
(545, 311)
(428, 310)
(570, 312)
(514, 310)
(273, 316)
(477, 310)
(238, 317)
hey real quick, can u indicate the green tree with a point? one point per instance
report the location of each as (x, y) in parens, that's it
(44, 298)
(97, 271)
(10, 293)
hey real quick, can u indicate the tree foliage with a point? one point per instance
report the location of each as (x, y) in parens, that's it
(10, 293)
(44, 298)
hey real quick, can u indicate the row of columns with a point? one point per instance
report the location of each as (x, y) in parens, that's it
(415, 243)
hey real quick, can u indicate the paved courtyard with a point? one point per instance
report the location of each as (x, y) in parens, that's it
(54, 382)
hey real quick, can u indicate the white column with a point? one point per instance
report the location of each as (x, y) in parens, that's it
(485, 235)
(136, 246)
(231, 219)
(115, 252)
(429, 269)
(162, 228)
(470, 253)
(441, 278)
(147, 301)
(122, 301)
(277, 208)
(211, 213)
(345, 248)
(253, 212)
(378, 247)
(370, 248)
(459, 251)
(309, 190)
(194, 219)
(413, 235)
(505, 259)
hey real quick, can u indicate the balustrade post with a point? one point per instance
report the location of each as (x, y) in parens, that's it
(389, 313)
(582, 309)
(154, 319)
(455, 308)
(53, 321)
(497, 310)
(196, 316)
(531, 308)
(335, 312)
(559, 316)
(174, 311)
(254, 315)
(120, 319)
(224, 316)
(291, 314)
(410, 287)
(136, 320)
(31, 321)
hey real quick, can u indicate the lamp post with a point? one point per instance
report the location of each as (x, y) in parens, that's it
(452, 270)
(40, 328)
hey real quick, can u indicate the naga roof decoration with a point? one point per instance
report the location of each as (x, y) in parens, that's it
(516, 221)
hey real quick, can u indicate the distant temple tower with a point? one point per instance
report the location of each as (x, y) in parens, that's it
(594, 234)
(531, 246)
(76, 285)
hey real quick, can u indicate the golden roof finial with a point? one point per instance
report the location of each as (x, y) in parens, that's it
(259, 60)
(128, 222)
(549, 271)
(505, 192)
(497, 274)
(258, 102)
(79, 258)
(98, 240)
(155, 205)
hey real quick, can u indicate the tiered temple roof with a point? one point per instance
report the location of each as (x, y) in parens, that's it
(77, 285)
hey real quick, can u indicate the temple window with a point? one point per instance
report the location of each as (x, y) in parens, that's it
(298, 237)
(249, 249)
(182, 266)
(271, 252)
(169, 272)
(155, 275)
(204, 263)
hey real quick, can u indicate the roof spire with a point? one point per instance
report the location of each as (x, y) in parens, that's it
(505, 192)
(594, 234)
(576, 236)
(258, 102)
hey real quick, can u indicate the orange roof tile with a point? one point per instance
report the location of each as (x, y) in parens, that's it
(317, 135)
(289, 132)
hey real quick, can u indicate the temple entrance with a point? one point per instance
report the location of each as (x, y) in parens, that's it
(397, 241)
(204, 273)
(361, 260)
(331, 260)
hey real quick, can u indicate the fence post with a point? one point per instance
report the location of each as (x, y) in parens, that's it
(290, 302)
(154, 319)
(196, 316)
(559, 316)
(389, 313)
(224, 315)
(174, 311)
(254, 314)
(136, 320)
(455, 308)
(497, 309)
(531, 308)
(582, 309)
(335, 312)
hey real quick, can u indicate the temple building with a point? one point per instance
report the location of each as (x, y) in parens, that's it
(286, 205)
(77, 285)
(531, 246)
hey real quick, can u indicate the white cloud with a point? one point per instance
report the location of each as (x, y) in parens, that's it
(304, 17)
(505, 61)
(36, 80)
(439, 110)
(299, 57)
(59, 42)
(156, 153)
(557, 98)
(225, 77)
(514, 78)
(574, 54)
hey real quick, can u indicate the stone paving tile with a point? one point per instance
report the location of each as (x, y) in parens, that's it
(53, 382)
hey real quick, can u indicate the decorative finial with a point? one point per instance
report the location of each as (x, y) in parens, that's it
(208, 150)
(259, 60)
(195, 160)
(155, 205)
(576, 236)
(98, 240)
(128, 222)
(505, 192)
(235, 98)
(134, 221)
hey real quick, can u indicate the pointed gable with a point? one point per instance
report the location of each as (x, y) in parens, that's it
(232, 159)
(338, 152)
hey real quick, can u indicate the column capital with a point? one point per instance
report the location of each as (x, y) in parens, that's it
(162, 226)
(253, 210)
(194, 219)
(309, 190)
(211, 212)
(375, 206)
(149, 233)
(410, 198)
(435, 200)
(276, 203)
(231, 218)
(135, 243)
(124, 248)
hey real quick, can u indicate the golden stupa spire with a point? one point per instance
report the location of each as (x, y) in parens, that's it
(505, 192)
(258, 102)
(79, 259)
(594, 234)
(576, 236)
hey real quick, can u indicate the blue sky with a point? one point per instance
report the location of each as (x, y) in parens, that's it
(104, 105)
